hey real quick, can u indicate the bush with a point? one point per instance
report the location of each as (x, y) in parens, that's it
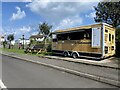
(49, 48)
(118, 42)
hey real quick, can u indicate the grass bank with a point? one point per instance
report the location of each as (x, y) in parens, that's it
(21, 51)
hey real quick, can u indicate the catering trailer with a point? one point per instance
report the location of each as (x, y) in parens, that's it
(92, 41)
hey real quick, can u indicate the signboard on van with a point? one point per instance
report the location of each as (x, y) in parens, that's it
(96, 37)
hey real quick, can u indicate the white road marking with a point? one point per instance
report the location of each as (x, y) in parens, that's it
(2, 84)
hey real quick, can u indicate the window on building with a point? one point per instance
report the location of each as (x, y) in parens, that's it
(109, 37)
(112, 38)
(54, 37)
(106, 49)
(106, 31)
(106, 37)
(112, 47)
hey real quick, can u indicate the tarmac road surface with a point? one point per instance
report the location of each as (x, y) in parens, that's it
(17, 73)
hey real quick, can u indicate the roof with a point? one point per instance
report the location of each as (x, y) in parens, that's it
(36, 36)
(1, 36)
(80, 28)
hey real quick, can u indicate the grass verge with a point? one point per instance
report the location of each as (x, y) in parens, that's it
(21, 51)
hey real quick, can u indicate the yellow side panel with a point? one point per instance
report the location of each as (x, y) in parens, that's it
(80, 46)
(110, 40)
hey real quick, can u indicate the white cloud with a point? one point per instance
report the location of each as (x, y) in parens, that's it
(21, 30)
(16, 0)
(69, 22)
(60, 12)
(26, 0)
(19, 15)
(69, 0)
(1, 30)
(91, 15)
(34, 33)
(18, 31)
(25, 29)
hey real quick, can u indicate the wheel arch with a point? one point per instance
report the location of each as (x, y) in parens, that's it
(66, 52)
(75, 53)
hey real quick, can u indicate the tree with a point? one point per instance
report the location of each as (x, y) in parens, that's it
(10, 38)
(118, 34)
(118, 42)
(45, 30)
(108, 12)
(4, 43)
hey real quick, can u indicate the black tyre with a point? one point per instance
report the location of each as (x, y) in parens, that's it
(74, 55)
(65, 54)
(25, 51)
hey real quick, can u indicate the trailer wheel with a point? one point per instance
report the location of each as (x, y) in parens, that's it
(65, 54)
(74, 55)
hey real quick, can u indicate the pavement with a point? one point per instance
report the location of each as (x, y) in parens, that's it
(105, 71)
(111, 62)
(21, 74)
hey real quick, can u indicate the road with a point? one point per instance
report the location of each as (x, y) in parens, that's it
(90, 69)
(21, 74)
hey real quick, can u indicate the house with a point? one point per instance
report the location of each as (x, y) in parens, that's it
(25, 41)
(2, 38)
(38, 38)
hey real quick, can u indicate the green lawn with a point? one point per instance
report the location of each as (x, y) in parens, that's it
(21, 51)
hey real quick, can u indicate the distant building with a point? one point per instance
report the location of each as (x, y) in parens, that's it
(25, 41)
(2, 38)
(12, 42)
(38, 38)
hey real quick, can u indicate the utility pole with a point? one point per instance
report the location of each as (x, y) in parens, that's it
(23, 41)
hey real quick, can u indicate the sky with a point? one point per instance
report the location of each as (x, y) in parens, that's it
(24, 17)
